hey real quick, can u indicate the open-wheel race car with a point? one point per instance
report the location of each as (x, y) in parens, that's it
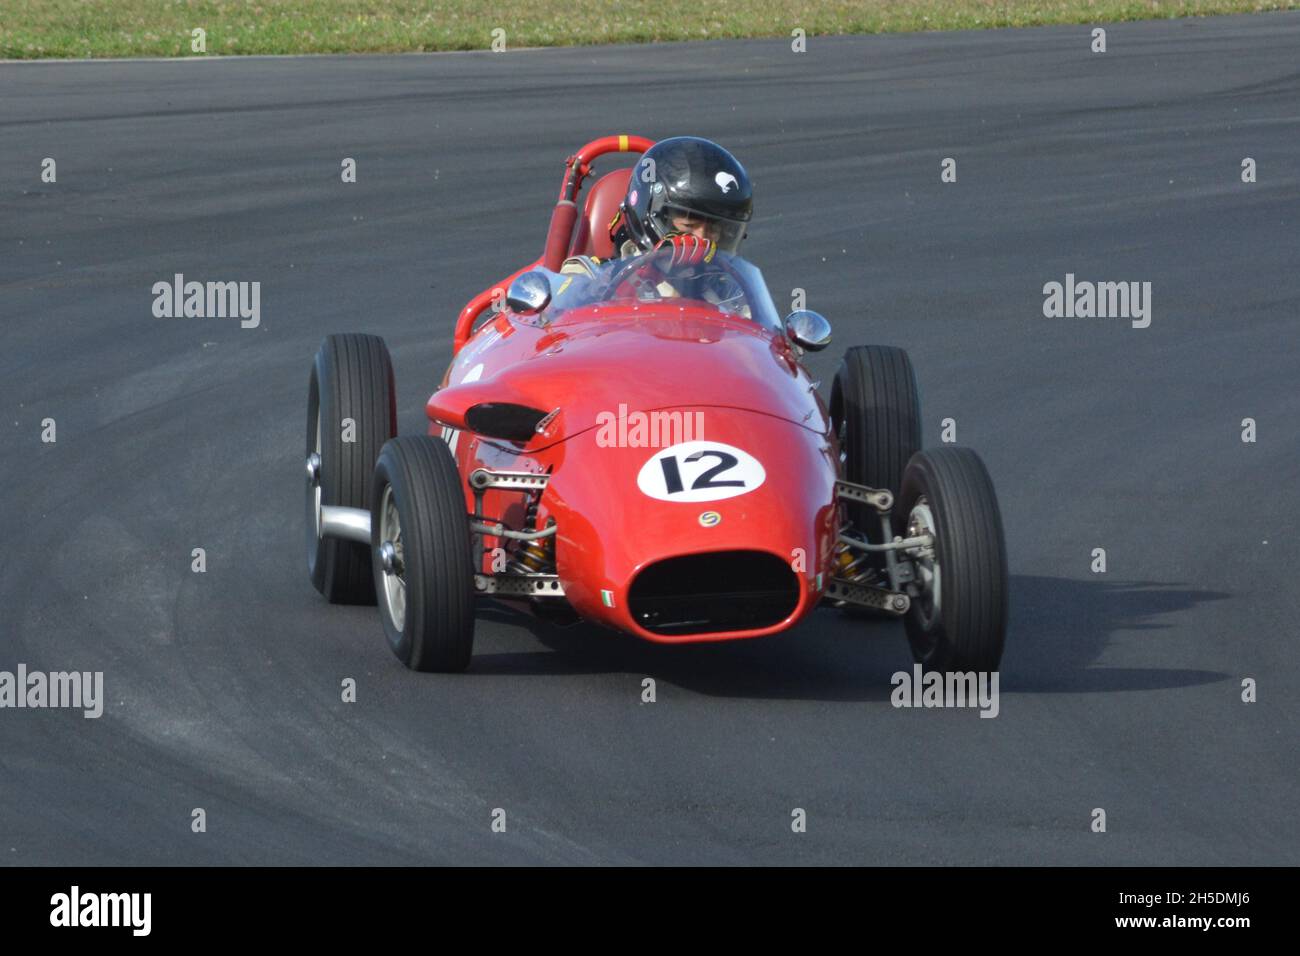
(635, 442)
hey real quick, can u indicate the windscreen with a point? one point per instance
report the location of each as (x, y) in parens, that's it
(727, 283)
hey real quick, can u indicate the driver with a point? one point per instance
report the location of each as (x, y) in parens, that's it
(686, 193)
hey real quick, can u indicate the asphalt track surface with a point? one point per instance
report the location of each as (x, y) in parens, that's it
(1120, 690)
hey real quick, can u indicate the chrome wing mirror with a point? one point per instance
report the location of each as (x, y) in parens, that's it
(808, 330)
(529, 294)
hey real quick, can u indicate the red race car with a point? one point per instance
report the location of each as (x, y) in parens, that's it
(636, 443)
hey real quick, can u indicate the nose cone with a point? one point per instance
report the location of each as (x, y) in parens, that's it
(706, 524)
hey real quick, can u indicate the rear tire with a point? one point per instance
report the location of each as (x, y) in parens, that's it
(352, 378)
(876, 414)
(960, 623)
(426, 600)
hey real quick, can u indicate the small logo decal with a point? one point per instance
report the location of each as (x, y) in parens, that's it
(709, 519)
(607, 598)
(725, 181)
(632, 198)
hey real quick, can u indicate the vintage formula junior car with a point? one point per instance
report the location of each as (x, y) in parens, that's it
(660, 464)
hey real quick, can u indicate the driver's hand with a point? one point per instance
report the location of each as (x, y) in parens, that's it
(688, 250)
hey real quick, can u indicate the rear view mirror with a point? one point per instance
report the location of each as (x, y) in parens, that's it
(808, 330)
(529, 294)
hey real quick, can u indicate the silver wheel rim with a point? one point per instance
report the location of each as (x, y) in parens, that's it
(390, 532)
(920, 520)
(313, 476)
(842, 437)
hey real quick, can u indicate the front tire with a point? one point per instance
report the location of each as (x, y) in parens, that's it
(422, 555)
(959, 620)
(351, 412)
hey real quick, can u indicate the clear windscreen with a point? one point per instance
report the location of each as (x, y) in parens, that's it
(727, 283)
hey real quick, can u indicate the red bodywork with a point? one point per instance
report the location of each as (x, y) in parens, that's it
(740, 382)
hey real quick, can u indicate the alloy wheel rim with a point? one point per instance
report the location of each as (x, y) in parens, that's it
(390, 534)
(920, 520)
(313, 466)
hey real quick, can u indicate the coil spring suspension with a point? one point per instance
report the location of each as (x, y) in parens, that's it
(534, 557)
(850, 568)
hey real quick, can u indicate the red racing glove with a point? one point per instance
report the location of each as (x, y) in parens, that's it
(687, 249)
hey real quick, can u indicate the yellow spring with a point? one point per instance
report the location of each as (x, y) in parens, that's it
(535, 555)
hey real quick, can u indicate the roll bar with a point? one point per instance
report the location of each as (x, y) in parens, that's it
(560, 233)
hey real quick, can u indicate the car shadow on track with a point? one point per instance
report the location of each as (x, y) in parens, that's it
(830, 656)
(1061, 626)
(1058, 629)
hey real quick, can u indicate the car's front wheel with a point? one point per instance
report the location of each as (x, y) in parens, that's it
(958, 617)
(422, 555)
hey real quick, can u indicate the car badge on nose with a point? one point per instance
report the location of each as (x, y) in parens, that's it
(709, 519)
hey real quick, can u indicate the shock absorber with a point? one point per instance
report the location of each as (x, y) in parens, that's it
(843, 558)
(849, 568)
(533, 557)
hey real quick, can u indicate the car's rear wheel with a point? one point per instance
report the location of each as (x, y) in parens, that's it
(422, 555)
(958, 617)
(876, 413)
(351, 412)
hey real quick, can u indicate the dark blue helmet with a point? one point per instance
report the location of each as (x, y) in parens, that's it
(678, 184)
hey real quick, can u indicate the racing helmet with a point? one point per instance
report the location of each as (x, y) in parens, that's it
(684, 180)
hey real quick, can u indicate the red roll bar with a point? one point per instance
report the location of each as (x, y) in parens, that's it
(563, 218)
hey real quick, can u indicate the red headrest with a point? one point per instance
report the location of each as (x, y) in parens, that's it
(591, 238)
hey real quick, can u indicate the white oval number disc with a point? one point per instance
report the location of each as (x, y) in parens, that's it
(700, 471)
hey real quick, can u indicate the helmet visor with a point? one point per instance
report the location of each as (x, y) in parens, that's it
(671, 220)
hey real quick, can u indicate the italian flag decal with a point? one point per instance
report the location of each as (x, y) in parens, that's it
(607, 598)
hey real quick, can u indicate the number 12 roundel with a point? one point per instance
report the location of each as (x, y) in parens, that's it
(700, 471)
